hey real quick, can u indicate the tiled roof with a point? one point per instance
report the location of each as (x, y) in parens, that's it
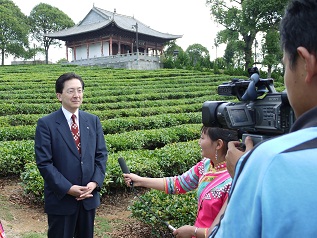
(98, 18)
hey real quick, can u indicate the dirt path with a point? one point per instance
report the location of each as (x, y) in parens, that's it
(18, 215)
(21, 216)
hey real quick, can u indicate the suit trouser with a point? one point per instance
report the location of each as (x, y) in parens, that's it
(78, 225)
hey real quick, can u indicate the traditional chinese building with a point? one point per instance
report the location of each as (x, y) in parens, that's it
(113, 40)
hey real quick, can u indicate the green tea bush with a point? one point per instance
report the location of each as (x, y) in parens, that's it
(10, 133)
(14, 155)
(32, 181)
(22, 119)
(151, 139)
(119, 125)
(177, 210)
(148, 163)
(150, 118)
(25, 108)
(177, 158)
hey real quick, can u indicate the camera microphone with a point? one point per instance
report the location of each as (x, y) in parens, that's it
(126, 170)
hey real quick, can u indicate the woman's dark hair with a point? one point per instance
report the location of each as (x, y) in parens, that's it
(59, 85)
(225, 135)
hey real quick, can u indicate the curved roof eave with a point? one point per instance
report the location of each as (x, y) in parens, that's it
(76, 30)
(121, 21)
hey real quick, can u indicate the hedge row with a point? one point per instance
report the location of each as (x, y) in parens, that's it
(120, 125)
(20, 105)
(25, 108)
(169, 160)
(150, 118)
(118, 93)
(112, 126)
(14, 154)
(31, 119)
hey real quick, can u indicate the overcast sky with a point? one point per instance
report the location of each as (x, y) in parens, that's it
(190, 18)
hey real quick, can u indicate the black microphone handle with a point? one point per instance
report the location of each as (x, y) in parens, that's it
(124, 168)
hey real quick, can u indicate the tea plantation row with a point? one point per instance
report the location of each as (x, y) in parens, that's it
(150, 118)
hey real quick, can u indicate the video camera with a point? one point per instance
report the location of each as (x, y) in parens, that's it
(260, 118)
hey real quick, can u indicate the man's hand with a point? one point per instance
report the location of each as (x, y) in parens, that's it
(87, 194)
(82, 192)
(235, 151)
(77, 190)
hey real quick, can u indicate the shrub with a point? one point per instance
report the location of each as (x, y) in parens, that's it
(177, 210)
(33, 182)
(14, 155)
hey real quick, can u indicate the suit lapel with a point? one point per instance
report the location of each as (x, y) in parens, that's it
(84, 132)
(63, 128)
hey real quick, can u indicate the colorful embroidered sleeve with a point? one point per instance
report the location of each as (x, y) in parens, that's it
(188, 181)
(2, 235)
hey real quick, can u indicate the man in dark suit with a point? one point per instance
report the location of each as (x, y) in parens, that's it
(73, 172)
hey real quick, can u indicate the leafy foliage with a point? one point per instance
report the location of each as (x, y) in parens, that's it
(271, 48)
(151, 118)
(198, 56)
(45, 19)
(154, 207)
(13, 30)
(246, 18)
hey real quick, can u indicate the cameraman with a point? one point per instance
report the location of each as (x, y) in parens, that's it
(273, 193)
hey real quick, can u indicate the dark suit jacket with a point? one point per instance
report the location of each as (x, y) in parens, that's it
(61, 165)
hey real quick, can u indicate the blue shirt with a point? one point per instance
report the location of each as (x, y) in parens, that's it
(275, 195)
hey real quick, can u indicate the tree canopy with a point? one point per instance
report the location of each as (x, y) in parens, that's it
(198, 55)
(247, 18)
(14, 30)
(45, 19)
(272, 50)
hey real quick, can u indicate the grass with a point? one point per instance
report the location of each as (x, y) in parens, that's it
(5, 209)
(34, 235)
(102, 225)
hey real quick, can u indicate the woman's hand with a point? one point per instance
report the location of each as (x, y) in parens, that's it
(185, 232)
(132, 178)
(138, 181)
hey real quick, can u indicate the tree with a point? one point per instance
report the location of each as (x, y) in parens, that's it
(198, 55)
(45, 19)
(181, 60)
(247, 18)
(271, 50)
(171, 48)
(174, 56)
(13, 31)
(216, 44)
(235, 48)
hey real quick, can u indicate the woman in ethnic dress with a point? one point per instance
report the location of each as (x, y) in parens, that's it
(209, 177)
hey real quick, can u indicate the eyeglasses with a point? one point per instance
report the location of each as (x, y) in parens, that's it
(72, 91)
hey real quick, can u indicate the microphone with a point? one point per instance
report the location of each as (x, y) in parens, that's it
(126, 170)
(124, 167)
(169, 226)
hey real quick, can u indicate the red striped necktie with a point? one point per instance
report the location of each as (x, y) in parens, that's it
(75, 132)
